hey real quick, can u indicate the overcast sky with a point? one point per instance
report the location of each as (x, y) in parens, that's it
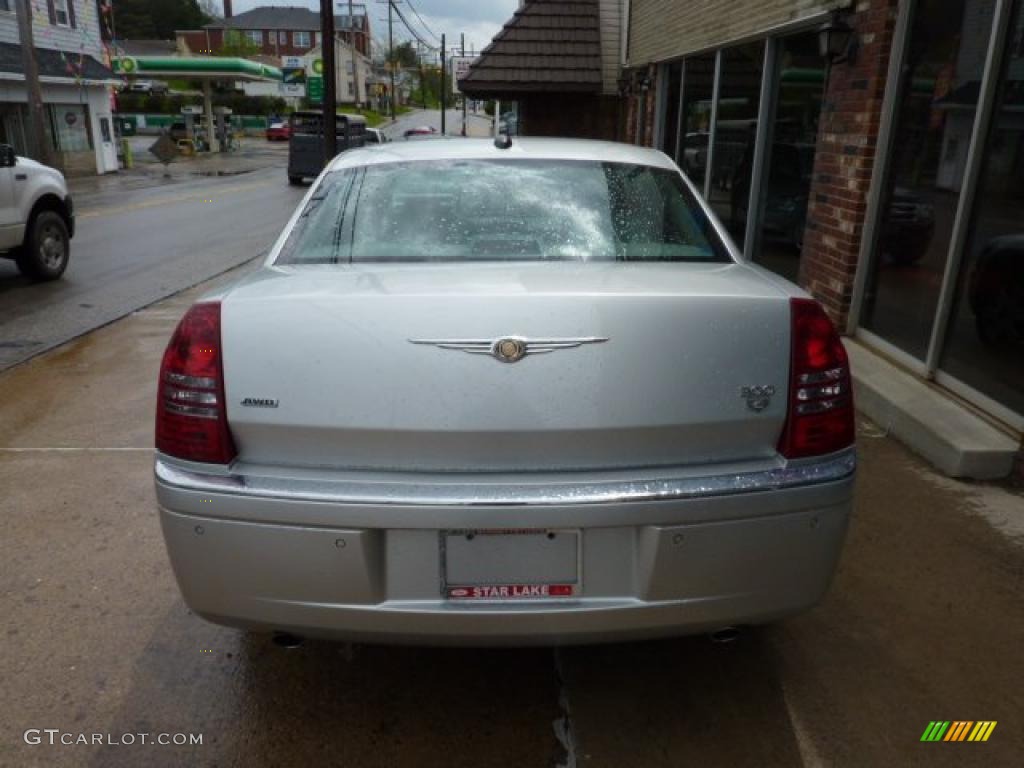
(480, 20)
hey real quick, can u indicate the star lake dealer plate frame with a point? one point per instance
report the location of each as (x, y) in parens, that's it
(511, 564)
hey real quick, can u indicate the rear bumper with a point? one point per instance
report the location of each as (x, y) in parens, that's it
(364, 570)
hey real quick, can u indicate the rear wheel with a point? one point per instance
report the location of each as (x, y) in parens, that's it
(294, 180)
(47, 247)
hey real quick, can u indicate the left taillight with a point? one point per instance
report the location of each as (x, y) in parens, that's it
(191, 417)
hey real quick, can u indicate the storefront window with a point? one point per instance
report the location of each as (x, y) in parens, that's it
(938, 101)
(738, 102)
(698, 82)
(985, 338)
(70, 127)
(800, 85)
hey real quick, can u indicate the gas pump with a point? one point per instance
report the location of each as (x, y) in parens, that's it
(190, 113)
(222, 116)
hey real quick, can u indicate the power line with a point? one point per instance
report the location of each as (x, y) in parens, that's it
(429, 30)
(408, 26)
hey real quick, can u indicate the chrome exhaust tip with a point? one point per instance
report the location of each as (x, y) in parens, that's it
(286, 640)
(724, 635)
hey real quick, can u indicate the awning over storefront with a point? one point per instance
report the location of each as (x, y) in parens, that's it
(549, 46)
(195, 67)
(60, 66)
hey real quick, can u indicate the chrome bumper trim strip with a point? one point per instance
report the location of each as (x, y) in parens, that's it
(837, 466)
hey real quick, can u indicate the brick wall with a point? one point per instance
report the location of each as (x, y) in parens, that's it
(847, 137)
(638, 98)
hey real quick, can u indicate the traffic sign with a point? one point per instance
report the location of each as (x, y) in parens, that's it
(460, 68)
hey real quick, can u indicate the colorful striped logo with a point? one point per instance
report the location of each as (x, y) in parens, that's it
(958, 730)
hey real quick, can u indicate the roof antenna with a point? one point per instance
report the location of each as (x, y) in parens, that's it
(503, 141)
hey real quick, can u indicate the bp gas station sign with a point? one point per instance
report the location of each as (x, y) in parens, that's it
(315, 81)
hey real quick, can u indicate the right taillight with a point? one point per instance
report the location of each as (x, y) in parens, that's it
(820, 418)
(191, 419)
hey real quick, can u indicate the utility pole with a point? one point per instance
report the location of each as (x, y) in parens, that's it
(38, 137)
(463, 54)
(444, 83)
(391, 56)
(330, 105)
(355, 62)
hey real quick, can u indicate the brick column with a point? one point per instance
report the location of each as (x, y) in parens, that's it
(847, 138)
(633, 97)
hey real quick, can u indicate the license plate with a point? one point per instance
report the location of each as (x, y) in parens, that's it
(510, 564)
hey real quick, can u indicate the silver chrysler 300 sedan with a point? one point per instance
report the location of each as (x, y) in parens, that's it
(489, 394)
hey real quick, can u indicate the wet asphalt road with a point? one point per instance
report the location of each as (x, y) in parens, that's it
(133, 248)
(477, 125)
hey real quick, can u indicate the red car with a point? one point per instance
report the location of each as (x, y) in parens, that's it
(422, 130)
(279, 131)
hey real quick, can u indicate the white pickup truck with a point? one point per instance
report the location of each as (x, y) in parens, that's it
(37, 220)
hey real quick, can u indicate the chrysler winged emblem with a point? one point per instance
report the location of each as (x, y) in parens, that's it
(509, 349)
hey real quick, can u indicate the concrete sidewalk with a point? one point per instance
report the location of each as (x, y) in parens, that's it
(923, 622)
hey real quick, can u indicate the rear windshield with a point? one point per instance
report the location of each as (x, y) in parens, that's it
(510, 210)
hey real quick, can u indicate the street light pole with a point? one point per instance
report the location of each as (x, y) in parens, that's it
(463, 54)
(330, 105)
(444, 83)
(38, 137)
(391, 56)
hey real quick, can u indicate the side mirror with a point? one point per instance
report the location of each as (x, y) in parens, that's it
(7, 157)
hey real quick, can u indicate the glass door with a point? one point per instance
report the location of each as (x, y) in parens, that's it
(984, 343)
(939, 92)
(739, 96)
(800, 81)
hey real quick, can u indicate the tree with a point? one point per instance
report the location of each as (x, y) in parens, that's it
(404, 55)
(156, 19)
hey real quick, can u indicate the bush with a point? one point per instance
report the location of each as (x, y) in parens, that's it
(164, 104)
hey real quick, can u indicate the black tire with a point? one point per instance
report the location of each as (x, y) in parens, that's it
(295, 180)
(47, 247)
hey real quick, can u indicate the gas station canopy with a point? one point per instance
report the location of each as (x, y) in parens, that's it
(195, 68)
(204, 68)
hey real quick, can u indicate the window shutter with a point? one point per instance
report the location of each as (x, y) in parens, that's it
(52, 11)
(71, 13)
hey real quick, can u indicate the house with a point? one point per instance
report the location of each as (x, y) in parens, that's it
(74, 82)
(873, 152)
(276, 31)
(558, 60)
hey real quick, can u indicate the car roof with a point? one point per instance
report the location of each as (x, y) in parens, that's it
(485, 149)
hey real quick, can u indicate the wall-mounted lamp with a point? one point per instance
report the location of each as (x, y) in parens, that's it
(837, 41)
